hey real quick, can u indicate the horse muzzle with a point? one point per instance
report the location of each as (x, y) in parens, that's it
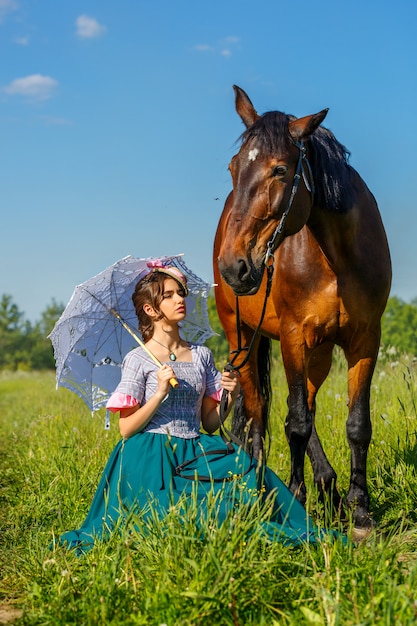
(242, 276)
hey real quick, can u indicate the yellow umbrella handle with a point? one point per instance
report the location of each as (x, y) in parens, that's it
(173, 381)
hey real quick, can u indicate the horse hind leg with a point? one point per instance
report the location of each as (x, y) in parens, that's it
(325, 477)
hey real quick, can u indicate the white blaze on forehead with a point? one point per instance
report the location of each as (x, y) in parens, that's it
(253, 154)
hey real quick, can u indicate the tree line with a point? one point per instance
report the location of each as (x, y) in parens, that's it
(25, 346)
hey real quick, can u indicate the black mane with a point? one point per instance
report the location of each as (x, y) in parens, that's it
(328, 158)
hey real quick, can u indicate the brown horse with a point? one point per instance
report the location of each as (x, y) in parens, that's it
(302, 212)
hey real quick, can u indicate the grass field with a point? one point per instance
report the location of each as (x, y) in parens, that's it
(52, 453)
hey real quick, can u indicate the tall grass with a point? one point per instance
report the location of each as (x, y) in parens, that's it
(182, 573)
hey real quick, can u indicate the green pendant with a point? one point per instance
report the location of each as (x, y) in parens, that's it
(172, 357)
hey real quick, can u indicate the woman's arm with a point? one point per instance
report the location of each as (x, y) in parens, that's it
(210, 410)
(133, 419)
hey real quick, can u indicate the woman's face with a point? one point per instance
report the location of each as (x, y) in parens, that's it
(172, 305)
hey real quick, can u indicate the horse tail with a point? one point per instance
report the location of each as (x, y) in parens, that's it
(240, 419)
(264, 370)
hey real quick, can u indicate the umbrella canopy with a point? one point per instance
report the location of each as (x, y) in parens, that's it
(98, 326)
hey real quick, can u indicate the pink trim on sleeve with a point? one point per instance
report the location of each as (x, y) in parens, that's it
(217, 395)
(119, 401)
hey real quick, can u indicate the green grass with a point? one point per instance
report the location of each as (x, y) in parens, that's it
(52, 452)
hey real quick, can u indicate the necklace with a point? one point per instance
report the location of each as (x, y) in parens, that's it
(172, 355)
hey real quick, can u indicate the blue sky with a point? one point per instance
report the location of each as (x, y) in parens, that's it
(117, 123)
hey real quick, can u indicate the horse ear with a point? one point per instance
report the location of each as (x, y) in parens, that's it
(305, 126)
(244, 107)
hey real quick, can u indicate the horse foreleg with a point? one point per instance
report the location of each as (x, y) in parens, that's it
(324, 475)
(359, 432)
(298, 430)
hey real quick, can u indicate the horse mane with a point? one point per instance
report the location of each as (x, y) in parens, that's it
(328, 158)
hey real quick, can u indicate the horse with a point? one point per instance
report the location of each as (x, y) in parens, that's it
(301, 256)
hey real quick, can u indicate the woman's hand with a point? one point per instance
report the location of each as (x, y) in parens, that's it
(231, 383)
(210, 413)
(165, 374)
(134, 419)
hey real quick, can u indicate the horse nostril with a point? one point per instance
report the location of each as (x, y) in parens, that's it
(243, 270)
(239, 275)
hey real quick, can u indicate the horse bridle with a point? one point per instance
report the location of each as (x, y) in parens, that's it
(271, 246)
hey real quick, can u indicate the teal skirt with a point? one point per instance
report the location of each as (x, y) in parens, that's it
(149, 472)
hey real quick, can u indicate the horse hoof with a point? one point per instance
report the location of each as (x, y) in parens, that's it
(360, 533)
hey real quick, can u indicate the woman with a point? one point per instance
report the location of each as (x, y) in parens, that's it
(163, 455)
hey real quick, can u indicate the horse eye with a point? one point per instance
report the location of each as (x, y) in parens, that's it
(279, 170)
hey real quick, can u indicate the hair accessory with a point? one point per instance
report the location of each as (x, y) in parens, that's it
(172, 272)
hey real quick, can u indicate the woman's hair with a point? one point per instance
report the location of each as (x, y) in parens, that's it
(150, 290)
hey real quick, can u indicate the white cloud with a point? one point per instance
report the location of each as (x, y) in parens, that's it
(88, 27)
(35, 87)
(22, 41)
(6, 7)
(56, 121)
(225, 47)
(202, 47)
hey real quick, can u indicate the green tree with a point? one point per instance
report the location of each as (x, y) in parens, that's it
(13, 333)
(10, 316)
(42, 355)
(23, 346)
(49, 317)
(399, 326)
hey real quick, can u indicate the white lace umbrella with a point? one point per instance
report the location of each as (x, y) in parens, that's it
(98, 327)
